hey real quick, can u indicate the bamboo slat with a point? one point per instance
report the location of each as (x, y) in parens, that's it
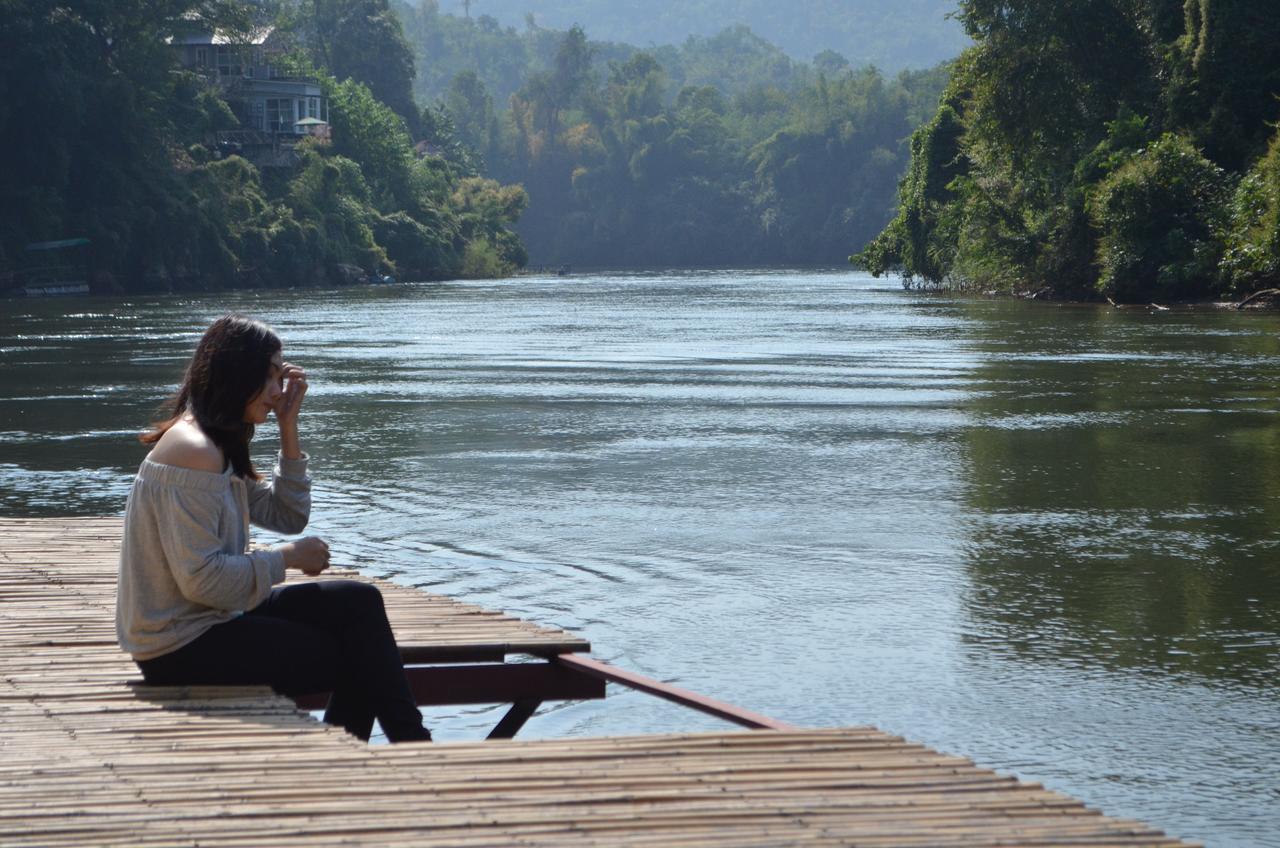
(90, 757)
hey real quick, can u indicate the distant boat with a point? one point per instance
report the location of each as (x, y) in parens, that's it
(49, 289)
(51, 268)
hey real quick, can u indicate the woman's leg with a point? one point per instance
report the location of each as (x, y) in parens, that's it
(370, 675)
(291, 657)
(315, 637)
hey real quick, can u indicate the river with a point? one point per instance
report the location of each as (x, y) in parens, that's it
(1043, 536)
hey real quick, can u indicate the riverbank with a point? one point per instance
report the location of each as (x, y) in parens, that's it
(1261, 299)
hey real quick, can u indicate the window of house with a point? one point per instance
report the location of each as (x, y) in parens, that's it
(228, 61)
(279, 115)
(313, 107)
(202, 57)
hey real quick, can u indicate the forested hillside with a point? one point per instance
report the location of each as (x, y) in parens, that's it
(439, 132)
(1117, 148)
(734, 60)
(105, 137)
(891, 34)
(722, 151)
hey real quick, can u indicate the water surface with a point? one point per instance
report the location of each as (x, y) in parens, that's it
(1042, 536)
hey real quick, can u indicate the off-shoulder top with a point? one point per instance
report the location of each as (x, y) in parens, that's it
(184, 560)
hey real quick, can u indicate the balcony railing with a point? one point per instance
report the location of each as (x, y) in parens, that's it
(264, 149)
(283, 76)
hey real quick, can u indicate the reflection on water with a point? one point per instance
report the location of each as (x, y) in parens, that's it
(1041, 536)
(1123, 494)
(1125, 487)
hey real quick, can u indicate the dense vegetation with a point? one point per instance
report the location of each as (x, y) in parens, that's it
(719, 151)
(891, 34)
(722, 151)
(734, 60)
(1118, 148)
(103, 136)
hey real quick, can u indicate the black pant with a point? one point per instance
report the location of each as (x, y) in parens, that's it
(329, 636)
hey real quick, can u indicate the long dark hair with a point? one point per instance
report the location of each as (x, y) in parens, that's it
(229, 368)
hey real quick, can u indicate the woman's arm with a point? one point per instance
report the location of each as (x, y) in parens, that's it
(287, 408)
(284, 505)
(188, 522)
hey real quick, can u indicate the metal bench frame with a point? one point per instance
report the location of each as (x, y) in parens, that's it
(481, 675)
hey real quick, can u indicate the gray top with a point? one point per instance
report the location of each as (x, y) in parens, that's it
(183, 560)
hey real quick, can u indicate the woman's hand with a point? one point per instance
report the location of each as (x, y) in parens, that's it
(290, 400)
(310, 555)
(286, 409)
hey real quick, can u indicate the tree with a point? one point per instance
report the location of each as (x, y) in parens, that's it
(370, 133)
(101, 64)
(471, 108)
(1100, 140)
(830, 63)
(330, 196)
(488, 210)
(1252, 259)
(363, 40)
(1228, 64)
(1158, 216)
(920, 241)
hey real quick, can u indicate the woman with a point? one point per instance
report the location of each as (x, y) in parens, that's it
(193, 607)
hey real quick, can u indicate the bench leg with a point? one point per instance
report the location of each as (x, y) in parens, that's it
(514, 719)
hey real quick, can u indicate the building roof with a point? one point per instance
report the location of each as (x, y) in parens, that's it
(198, 38)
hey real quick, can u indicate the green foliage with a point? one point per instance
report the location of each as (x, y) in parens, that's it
(361, 40)
(735, 59)
(105, 138)
(1226, 68)
(329, 196)
(446, 45)
(441, 138)
(236, 212)
(88, 132)
(481, 261)
(623, 167)
(487, 213)
(916, 242)
(417, 245)
(1252, 259)
(826, 177)
(1080, 126)
(369, 132)
(469, 106)
(722, 150)
(1159, 216)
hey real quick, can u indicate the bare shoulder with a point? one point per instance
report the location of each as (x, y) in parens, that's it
(186, 446)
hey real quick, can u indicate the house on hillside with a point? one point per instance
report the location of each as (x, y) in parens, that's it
(275, 109)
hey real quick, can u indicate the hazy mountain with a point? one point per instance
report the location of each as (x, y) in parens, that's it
(892, 34)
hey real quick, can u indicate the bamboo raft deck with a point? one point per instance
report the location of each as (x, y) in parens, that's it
(90, 757)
